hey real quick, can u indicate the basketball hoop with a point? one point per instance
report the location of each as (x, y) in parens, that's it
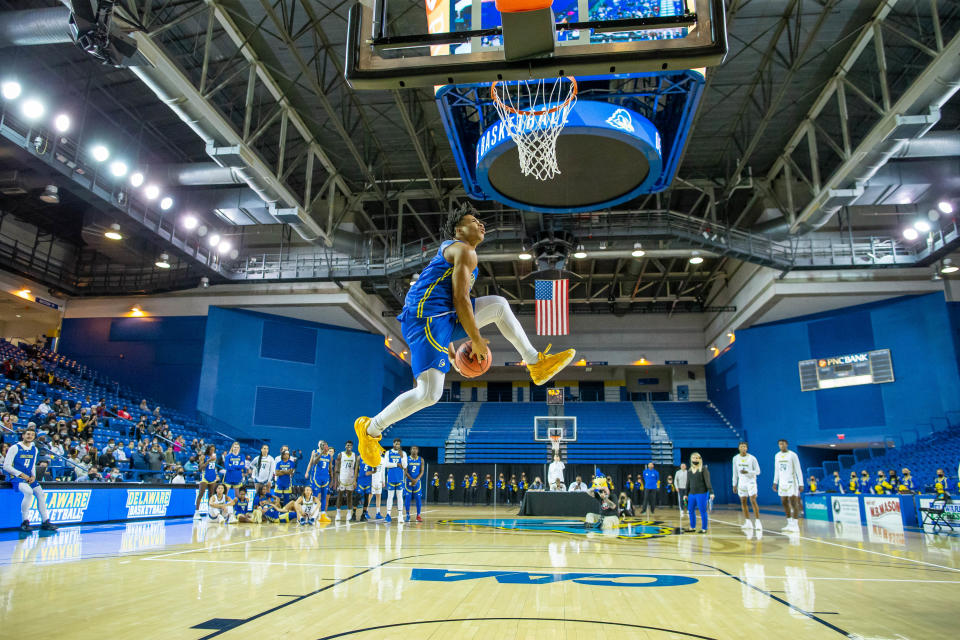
(533, 113)
(555, 442)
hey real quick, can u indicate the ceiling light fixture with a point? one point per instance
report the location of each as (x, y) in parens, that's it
(10, 89)
(166, 202)
(525, 255)
(163, 262)
(152, 192)
(638, 251)
(114, 232)
(99, 152)
(136, 179)
(945, 207)
(696, 258)
(32, 109)
(922, 226)
(51, 194)
(189, 222)
(910, 234)
(948, 267)
(62, 123)
(118, 168)
(580, 253)
(223, 247)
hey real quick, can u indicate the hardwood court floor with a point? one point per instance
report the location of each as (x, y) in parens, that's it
(494, 577)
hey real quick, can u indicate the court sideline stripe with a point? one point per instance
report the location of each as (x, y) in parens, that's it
(618, 624)
(843, 546)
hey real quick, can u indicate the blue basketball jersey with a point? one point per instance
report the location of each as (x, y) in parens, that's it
(432, 294)
(285, 481)
(413, 469)
(235, 465)
(210, 469)
(364, 480)
(242, 506)
(321, 469)
(24, 460)
(395, 474)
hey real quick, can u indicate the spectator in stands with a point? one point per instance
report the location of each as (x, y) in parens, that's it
(812, 484)
(852, 485)
(906, 484)
(123, 413)
(865, 484)
(114, 475)
(893, 480)
(651, 486)
(154, 459)
(881, 486)
(681, 479)
(81, 469)
(143, 406)
(836, 483)
(191, 466)
(13, 400)
(107, 459)
(941, 483)
(700, 491)
(94, 475)
(578, 485)
(43, 409)
(168, 458)
(537, 484)
(179, 479)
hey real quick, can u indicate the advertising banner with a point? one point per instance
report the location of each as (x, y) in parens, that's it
(99, 503)
(951, 514)
(815, 507)
(883, 511)
(845, 509)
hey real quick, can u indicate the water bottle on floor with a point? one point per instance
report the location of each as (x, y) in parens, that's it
(710, 505)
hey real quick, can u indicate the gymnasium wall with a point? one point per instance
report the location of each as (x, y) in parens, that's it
(756, 383)
(159, 356)
(292, 381)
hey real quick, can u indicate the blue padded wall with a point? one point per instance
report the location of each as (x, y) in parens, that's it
(159, 355)
(294, 398)
(756, 382)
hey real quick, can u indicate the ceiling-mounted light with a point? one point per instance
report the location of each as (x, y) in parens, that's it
(32, 109)
(189, 222)
(10, 89)
(910, 234)
(136, 179)
(151, 192)
(580, 253)
(62, 123)
(166, 202)
(224, 247)
(136, 311)
(202, 230)
(99, 152)
(214, 240)
(945, 207)
(113, 232)
(525, 255)
(638, 251)
(163, 262)
(922, 226)
(118, 168)
(696, 258)
(51, 194)
(948, 267)
(24, 293)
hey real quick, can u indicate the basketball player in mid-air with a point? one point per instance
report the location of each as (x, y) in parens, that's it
(745, 472)
(787, 480)
(438, 310)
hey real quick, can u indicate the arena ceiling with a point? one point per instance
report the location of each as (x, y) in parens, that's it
(810, 93)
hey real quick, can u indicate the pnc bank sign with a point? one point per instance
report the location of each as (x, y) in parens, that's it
(850, 359)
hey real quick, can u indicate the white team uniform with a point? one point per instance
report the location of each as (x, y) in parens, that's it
(215, 501)
(311, 508)
(376, 480)
(788, 476)
(348, 465)
(746, 483)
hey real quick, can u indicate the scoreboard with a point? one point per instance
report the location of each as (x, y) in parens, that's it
(871, 367)
(555, 396)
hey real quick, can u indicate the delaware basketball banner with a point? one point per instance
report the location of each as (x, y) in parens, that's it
(147, 503)
(100, 504)
(63, 506)
(552, 307)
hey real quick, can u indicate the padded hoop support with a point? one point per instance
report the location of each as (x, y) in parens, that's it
(528, 34)
(512, 6)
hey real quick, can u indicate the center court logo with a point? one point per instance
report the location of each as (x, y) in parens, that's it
(538, 578)
(63, 505)
(147, 503)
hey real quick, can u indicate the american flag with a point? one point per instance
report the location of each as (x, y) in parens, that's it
(552, 307)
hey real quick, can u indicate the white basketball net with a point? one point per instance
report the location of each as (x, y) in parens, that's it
(533, 113)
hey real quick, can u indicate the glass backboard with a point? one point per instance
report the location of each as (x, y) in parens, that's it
(422, 43)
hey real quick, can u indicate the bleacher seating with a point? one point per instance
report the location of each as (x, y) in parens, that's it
(695, 424)
(939, 450)
(428, 427)
(89, 384)
(607, 432)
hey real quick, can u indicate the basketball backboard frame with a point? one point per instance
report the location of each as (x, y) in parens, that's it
(543, 426)
(377, 59)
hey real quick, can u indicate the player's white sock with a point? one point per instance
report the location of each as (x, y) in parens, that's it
(427, 392)
(496, 310)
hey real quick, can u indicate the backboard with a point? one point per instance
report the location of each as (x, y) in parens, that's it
(422, 43)
(545, 426)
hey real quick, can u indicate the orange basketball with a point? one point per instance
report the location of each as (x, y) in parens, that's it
(467, 362)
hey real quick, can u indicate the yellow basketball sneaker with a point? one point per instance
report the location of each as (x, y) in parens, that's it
(548, 366)
(324, 518)
(369, 447)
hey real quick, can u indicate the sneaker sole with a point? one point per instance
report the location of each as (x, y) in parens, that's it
(368, 446)
(555, 371)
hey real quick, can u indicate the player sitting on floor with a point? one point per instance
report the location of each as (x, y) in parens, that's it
(243, 509)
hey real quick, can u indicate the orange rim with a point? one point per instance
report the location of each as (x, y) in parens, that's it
(519, 112)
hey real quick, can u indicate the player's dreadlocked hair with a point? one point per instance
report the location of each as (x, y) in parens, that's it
(454, 217)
